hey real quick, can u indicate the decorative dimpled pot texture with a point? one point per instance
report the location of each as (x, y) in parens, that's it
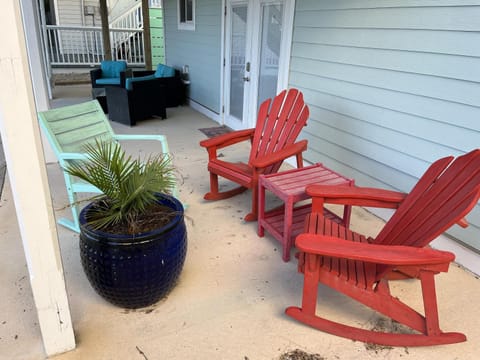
(135, 271)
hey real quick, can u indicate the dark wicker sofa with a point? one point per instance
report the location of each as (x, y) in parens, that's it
(143, 94)
(144, 100)
(171, 79)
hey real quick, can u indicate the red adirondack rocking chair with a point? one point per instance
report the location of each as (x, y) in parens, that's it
(362, 267)
(273, 140)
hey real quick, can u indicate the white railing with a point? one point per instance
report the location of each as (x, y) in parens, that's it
(83, 45)
(132, 19)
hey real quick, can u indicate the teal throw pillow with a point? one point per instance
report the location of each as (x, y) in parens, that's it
(164, 71)
(112, 69)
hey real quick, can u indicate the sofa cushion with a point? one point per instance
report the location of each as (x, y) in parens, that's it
(164, 71)
(129, 81)
(112, 69)
(108, 81)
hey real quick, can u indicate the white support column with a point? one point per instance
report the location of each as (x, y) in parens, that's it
(37, 68)
(28, 179)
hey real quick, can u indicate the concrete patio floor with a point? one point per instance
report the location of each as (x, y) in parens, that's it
(231, 296)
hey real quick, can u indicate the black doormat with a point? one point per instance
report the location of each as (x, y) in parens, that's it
(215, 131)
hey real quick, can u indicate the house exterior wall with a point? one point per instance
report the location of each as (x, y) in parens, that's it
(199, 49)
(391, 85)
(71, 13)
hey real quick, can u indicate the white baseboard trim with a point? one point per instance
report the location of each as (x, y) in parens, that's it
(465, 257)
(203, 110)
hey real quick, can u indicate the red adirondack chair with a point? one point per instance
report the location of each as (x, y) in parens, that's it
(273, 140)
(362, 267)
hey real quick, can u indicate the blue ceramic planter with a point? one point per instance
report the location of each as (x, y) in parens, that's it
(135, 271)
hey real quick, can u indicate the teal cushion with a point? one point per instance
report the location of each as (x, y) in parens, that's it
(108, 81)
(129, 81)
(112, 69)
(164, 71)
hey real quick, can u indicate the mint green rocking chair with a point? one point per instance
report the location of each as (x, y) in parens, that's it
(68, 129)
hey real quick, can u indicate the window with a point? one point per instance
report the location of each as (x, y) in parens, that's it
(186, 14)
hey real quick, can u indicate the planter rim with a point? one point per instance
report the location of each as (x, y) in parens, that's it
(139, 238)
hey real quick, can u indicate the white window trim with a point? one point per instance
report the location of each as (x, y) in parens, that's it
(188, 25)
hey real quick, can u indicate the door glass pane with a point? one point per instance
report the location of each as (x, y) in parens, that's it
(270, 37)
(237, 59)
(182, 10)
(189, 10)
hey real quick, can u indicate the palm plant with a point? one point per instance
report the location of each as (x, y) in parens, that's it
(129, 186)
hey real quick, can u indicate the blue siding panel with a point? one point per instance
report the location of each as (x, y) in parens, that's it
(374, 4)
(462, 92)
(422, 107)
(392, 86)
(416, 62)
(199, 49)
(425, 40)
(464, 18)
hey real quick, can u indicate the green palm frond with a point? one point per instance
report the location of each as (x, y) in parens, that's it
(128, 185)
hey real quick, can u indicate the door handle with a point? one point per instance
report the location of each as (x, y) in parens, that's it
(246, 78)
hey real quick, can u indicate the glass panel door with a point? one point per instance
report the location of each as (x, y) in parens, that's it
(270, 44)
(256, 56)
(238, 43)
(237, 53)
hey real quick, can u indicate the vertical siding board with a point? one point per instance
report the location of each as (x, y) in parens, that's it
(392, 85)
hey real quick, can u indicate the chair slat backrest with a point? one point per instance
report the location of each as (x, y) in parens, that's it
(69, 128)
(448, 190)
(279, 123)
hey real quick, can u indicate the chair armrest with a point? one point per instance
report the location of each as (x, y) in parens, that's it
(286, 152)
(379, 254)
(72, 156)
(139, 137)
(354, 195)
(64, 158)
(230, 138)
(142, 73)
(94, 75)
(124, 75)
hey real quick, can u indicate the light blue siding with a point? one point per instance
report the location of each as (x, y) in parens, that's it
(199, 49)
(392, 86)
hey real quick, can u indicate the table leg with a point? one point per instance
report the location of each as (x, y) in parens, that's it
(287, 229)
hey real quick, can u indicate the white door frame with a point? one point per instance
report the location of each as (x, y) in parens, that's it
(253, 55)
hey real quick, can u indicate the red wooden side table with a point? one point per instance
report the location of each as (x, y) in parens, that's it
(286, 222)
